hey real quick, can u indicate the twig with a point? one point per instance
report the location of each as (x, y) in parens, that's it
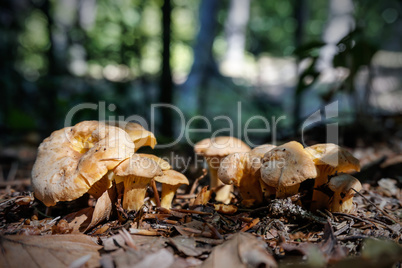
(354, 217)
(156, 194)
(195, 184)
(190, 211)
(214, 231)
(144, 232)
(250, 225)
(127, 238)
(382, 211)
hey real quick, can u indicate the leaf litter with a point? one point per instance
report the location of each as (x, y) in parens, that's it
(200, 232)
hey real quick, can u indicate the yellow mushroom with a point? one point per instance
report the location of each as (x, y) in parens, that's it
(285, 167)
(138, 134)
(344, 187)
(136, 173)
(329, 159)
(256, 155)
(214, 150)
(171, 180)
(73, 159)
(236, 169)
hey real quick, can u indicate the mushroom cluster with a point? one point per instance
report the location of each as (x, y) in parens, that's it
(92, 157)
(269, 171)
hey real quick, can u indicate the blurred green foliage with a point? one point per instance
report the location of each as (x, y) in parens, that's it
(56, 54)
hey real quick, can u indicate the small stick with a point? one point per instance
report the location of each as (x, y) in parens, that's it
(195, 184)
(214, 231)
(186, 196)
(143, 232)
(382, 211)
(354, 217)
(156, 194)
(250, 225)
(190, 211)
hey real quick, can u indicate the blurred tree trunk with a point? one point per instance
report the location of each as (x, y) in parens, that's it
(299, 13)
(235, 30)
(340, 23)
(166, 83)
(204, 65)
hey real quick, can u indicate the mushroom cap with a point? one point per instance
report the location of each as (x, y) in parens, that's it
(287, 165)
(345, 184)
(172, 177)
(261, 150)
(232, 168)
(74, 158)
(138, 134)
(164, 165)
(335, 156)
(139, 166)
(220, 146)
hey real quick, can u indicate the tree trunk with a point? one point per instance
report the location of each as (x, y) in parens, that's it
(235, 30)
(299, 13)
(340, 23)
(166, 83)
(204, 65)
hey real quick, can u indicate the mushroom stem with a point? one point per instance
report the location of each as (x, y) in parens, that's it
(286, 191)
(135, 189)
(267, 191)
(223, 194)
(339, 205)
(320, 199)
(250, 189)
(168, 192)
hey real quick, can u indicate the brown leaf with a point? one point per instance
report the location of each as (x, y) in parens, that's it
(186, 245)
(202, 197)
(87, 218)
(241, 250)
(47, 251)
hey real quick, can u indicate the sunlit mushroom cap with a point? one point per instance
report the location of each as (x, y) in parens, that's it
(335, 156)
(164, 165)
(232, 168)
(72, 159)
(287, 165)
(220, 146)
(257, 154)
(138, 134)
(345, 184)
(261, 150)
(172, 177)
(138, 166)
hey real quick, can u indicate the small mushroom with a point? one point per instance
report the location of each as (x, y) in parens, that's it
(163, 164)
(136, 173)
(171, 180)
(285, 167)
(329, 159)
(73, 159)
(344, 187)
(256, 155)
(236, 169)
(214, 150)
(138, 134)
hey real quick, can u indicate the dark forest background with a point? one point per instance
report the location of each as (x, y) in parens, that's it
(275, 57)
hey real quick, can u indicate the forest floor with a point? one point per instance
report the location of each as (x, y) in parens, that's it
(277, 233)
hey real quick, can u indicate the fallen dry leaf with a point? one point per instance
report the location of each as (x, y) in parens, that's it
(47, 251)
(202, 197)
(186, 245)
(87, 218)
(241, 250)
